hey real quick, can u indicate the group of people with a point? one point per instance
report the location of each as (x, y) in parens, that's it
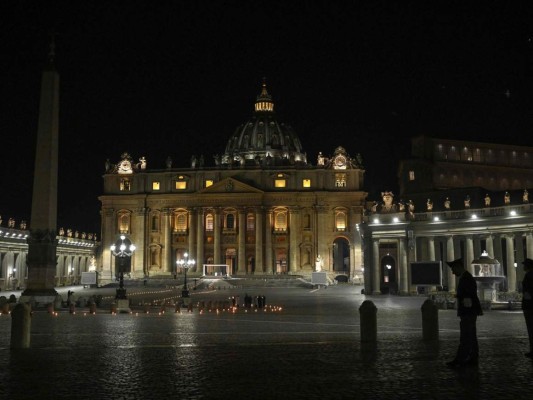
(469, 308)
(260, 301)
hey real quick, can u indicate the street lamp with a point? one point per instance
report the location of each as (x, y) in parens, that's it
(185, 263)
(122, 252)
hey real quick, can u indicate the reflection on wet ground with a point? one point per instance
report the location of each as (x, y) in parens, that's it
(311, 349)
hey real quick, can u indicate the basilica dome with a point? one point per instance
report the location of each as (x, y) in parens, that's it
(262, 141)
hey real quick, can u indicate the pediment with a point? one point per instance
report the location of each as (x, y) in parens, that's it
(230, 185)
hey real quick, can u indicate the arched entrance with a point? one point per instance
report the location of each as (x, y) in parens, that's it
(389, 282)
(341, 256)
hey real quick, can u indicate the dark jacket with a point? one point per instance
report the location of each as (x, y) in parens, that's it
(467, 289)
(527, 291)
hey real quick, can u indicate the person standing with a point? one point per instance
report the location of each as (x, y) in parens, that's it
(527, 302)
(468, 309)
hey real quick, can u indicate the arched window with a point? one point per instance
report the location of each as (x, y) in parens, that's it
(209, 222)
(181, 222)
(280, 221)
(340, 221)
(123, 220)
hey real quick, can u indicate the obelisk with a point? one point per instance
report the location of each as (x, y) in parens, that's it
(42, 243)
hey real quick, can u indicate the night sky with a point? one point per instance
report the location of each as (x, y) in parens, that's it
(162, 78)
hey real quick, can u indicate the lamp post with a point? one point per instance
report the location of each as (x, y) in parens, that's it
(185, 263)
(123, 251)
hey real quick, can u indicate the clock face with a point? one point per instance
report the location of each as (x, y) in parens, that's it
(124, 167)
(340, 161)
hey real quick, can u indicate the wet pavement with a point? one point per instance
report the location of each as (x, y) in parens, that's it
(309, 349)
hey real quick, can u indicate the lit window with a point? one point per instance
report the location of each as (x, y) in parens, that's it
(123, 222)
(411, 175)
(250, 222)
(125, 185)
(208, 182)
(306, 183)
(340, 221)
(181, 222)
(280, 183)
(181, 185)
(280, 221)
(156, 185)
(340, 180)
(209, 222)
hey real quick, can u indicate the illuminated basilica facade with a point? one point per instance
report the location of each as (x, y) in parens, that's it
(260, 208)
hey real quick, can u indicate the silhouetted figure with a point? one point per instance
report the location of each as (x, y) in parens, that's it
(527, 302)
(69, 297)
(468, 309)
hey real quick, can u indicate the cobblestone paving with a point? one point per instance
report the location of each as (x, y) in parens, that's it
(311, 349)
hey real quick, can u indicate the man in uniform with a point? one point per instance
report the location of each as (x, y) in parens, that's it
(468, 309)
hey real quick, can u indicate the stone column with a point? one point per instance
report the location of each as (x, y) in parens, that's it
(217, 259)
(529, 245)
(404, 275)
(108, 238)
(450, 256)
(294, 248)
(259, 268)
(469, 244)
(498, 252)
(489, 246)
(140, 239)
(192, 221)
(269, 267)
(166, 255)
(200, 239)
(376, 278)
(431, 248)
(241, 254)
(519, 247)
(321, 232)
(511, 272)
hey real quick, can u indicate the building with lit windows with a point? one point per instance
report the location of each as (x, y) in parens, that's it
(259, 208)
(457, 200)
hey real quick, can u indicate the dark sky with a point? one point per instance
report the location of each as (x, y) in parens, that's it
(162, 78)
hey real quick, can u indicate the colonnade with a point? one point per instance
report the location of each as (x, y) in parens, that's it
(73, 258)
(510, 248)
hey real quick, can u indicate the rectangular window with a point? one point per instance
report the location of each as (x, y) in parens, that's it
(125, 185)
(156, 185)
(208, 182)
(340, 180)
(181, 185)
(306, 183)
(411, 175)
(280, 183)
